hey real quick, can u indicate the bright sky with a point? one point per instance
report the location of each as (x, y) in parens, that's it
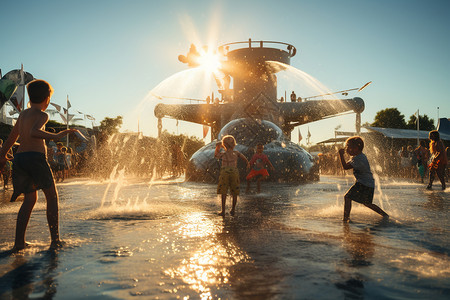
(107, 55)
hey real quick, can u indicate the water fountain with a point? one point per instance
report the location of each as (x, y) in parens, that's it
(251, 111)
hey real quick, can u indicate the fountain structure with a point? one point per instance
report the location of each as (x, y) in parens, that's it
(251, 112)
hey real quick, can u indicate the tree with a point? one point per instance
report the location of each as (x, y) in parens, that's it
(389, 118)
(425, 123)
(55, 125)
(111, 125)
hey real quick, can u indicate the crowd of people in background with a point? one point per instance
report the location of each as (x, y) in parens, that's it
(142, 157)
(405, 161)
(156, 158)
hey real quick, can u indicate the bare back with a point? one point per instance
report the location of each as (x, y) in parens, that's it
(30, 119)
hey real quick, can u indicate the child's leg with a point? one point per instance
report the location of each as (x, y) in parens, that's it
(224, 200)
(22, 219)
(51, 196)
(440, 171)
(347, 208)
(233, 207)
(258, 184)
(432, 174)
(377, 209)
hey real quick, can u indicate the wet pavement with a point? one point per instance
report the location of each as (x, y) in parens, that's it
(134, 239)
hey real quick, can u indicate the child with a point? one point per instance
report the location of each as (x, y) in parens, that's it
(421, 153)
(438, 162)
(362, 190)
(258, 162)
(229, 174)
(31, 171)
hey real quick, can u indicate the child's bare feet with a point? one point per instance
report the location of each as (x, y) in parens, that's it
(57, 244)
(17, 248)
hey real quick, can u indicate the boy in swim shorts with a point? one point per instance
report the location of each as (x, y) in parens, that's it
(31, 171)
(258, 162)
(363, 189)
(229, 174)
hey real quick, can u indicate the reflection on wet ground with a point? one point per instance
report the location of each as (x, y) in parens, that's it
(164, 240)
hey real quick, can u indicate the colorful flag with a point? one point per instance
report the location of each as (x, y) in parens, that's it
(205, 130)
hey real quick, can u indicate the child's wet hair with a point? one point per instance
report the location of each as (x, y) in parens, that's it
(228, 141)
(434, 135)
(39, 91)
(355, 141)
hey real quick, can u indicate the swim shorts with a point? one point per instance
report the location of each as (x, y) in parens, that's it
(263, 172)
(228, 178)
(360, 193)
(31, 172)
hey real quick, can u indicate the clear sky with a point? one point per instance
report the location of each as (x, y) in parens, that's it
(107, 55)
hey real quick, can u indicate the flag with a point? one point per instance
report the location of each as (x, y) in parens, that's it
(205, 130)
(364, 86)
(58, 107)
(68, 102)
(299, 135)
(63, 117)
(65, 111)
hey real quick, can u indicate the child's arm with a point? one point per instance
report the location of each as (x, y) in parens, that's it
(345, 164)
(37, 132)
(217, 151)
(269, 164)
(12, 138)
(251, 162)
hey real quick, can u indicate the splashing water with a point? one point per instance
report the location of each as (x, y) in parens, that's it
(188, 86)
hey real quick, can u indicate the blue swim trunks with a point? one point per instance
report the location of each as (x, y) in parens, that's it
(31, 172)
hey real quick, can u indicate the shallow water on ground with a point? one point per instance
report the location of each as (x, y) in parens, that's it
(163, 240)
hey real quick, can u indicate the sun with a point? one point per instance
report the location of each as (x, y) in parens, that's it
(210, 61)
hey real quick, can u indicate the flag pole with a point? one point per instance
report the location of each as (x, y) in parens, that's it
(22, 83)
(67, 119)
(418, 143)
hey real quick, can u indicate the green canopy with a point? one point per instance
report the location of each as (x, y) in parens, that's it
(7, 89)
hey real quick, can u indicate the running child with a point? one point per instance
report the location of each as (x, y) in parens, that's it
(363, 189)
(258, 164)
(438, 160)
(31, 171)
(229, 174)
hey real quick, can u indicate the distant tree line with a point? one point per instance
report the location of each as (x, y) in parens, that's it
(392, 118)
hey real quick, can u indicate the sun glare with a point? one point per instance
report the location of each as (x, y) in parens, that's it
(209, 61)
